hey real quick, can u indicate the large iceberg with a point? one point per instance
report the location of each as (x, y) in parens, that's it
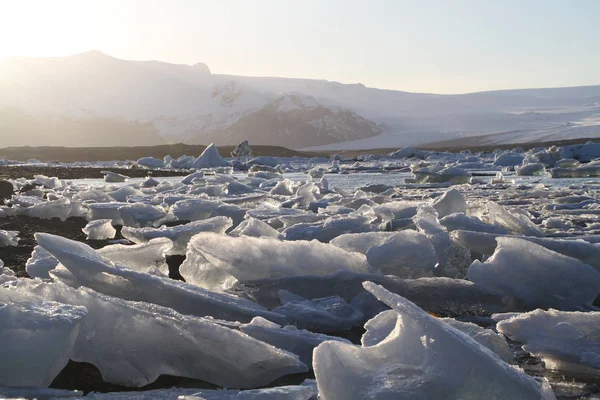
(422, 358)
(132, 343)
(92, 270)
(249, 258)
(37, 338)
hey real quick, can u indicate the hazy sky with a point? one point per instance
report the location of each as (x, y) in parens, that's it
(443, 46)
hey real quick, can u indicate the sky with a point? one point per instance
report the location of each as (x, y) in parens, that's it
(438, 46)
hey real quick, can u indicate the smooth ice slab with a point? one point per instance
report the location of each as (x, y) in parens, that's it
(133, 343)
(450, 202)
(361, 242)
(37, 338)
(535, 277)
(249, 258)
(180, 235)
(101, 274)
(567, 341)
(422, 358)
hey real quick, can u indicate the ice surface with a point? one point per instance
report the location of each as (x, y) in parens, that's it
(361, 242)
(512, 221)
(421, 358)
(124, 192)
(255, 228)
(567, 341)
(407, 254)
(190, 178)
(37, 339)
(303, 392)
(37, 393)
(449, 203)
(328, 314)
(132, 343)
(141, 257)
(9, 238)
(113, 177)
(180, 234)
(210, 158)
(98, 273)
(100, 229)
(535, 277)
(249, 258)
(298, 341)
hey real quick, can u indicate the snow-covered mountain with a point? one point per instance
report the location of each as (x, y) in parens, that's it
(94, 98)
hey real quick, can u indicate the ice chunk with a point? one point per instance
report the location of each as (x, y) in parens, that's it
(190, 178)
(330, 228)
(328, 314)
(530, 169)
(379, 327)
(37, 338)
(567, 341)
(140, 257)
(557, 223)
(361, 242)
(140, 215)
(6, 274)
(100, 229)
(298, 341)
(512, 221)
(450, 202)
(40, 263)
(60, 208)
(106, 211)
(123, 193)
(455, 222)
(150, 183)
(9, 238)
(535, 277)
(180, 234)
(249, 258)
(421, 358)
(199, 209)
(113, 177)
(283, 188)
(210, 158)
(508, 159)
(132, 343)
(98, 273)
(407, 254)
(255, 228)
(151, 162)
